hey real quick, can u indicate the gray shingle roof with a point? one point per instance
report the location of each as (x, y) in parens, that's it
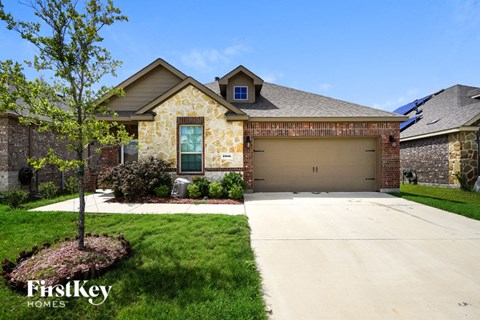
(452, 107)
(279, 101)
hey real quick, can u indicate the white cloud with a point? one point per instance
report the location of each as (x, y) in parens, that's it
(324, 87)
(392, 104)
(205, 60)
(236, 49)
(271, 77)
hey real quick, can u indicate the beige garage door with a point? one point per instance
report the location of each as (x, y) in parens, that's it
(300, 164)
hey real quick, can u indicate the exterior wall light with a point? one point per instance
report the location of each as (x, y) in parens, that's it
(248, 142)
(391, 138)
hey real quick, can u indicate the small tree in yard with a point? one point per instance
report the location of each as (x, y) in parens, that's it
(67, 39)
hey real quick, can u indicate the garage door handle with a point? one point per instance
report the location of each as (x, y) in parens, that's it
(316, 169)
(313, 169)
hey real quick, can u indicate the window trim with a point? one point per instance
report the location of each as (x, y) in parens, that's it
(179, 146)
(234, 94)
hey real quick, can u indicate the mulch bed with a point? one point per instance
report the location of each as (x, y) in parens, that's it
(152, 199)
(63, 261)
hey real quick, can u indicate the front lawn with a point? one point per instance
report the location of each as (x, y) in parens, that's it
(182, 266)
(454, 200)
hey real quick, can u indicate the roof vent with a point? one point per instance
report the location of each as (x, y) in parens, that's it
(477, 97)
(217, 78)
(433, 121)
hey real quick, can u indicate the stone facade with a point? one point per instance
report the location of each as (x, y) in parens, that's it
(428, 157)
(159, 138)
(389, 151)
(463, 156)
(17, 144)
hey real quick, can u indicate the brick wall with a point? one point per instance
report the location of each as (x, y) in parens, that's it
(17, 144)
(107, 157)
(429, 157)
(389, 177)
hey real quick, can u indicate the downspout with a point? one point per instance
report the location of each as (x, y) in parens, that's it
(478, 153)
(30, 153)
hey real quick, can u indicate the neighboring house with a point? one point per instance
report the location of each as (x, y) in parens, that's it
(17, 144)
(281, 139)
(439, 139)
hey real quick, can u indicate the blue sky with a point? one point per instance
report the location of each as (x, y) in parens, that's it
(382, 53)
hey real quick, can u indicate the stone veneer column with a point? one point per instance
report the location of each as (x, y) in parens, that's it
(463, 156)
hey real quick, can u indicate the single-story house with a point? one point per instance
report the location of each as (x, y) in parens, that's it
(440, 138)
(280, 138)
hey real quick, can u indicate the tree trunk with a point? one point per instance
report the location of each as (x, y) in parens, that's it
(81, 212)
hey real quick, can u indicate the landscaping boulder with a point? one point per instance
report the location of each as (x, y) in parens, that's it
(476, 186)
(179, 189)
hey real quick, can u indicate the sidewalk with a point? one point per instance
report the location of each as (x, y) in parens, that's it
(96, 203)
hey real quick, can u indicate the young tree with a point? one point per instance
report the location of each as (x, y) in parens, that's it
(68, 43)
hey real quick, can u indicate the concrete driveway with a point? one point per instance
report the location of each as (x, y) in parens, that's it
(364, 256)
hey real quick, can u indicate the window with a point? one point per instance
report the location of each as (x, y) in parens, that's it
(129, 152)
(191, 148)
(240, 93)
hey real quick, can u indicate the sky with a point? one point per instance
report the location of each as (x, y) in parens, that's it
(382, 54)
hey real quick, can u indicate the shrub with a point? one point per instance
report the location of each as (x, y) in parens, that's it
(232, 179)
(47, 190)
(14, 198)
(236, 192)
(194, 191)
(202, 184)
(134, 180)
(163, 191)
(463, 180)
(71, 185)
(215, 190)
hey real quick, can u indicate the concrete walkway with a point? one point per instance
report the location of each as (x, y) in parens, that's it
(96, 203)
(364, 256)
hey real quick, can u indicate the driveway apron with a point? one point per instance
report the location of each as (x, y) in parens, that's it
(363, 256)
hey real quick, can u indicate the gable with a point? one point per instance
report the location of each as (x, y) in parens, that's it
(145, 89)
(240, 80)
(240, 76)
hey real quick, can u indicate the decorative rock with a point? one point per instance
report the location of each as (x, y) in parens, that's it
(476, 187)
(179, 189)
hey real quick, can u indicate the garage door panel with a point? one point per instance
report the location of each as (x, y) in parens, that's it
(298, 164)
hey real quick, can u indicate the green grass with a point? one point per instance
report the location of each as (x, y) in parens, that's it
(454, 200)
(182, 266)
(45, 202)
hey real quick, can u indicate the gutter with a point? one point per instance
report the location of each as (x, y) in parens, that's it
(439, 133)
(329, 119)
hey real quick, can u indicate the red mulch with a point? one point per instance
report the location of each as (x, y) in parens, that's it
(153, 199)
(63, 260)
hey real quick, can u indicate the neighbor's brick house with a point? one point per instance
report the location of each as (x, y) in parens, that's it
(17, 144)
(281, 139)
(439, 139)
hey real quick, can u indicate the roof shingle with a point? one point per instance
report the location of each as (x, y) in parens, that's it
(449, 109)
(279, 101)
